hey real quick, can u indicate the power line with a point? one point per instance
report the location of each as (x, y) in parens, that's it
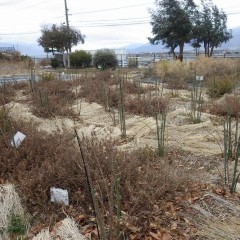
(106, 22)
(112, 20)
(108, 9)
(11, 2)
(114, 24)
(111, 9)
(34, 5)
(13, 34)
(96, 25)
(233, 13)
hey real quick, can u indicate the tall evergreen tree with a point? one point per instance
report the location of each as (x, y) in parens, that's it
(172, 23)
(210, 27)
(59, 38)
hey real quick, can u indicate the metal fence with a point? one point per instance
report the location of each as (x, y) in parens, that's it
(13, 79)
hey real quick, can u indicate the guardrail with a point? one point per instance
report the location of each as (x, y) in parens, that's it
(23, 78)
(14, 79)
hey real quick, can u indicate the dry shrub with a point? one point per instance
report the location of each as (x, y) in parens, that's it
(175, 73)
(133, 87)
(5, 123)
(44, 161)
(220, 86)
(225, 105)
(147, 106)
(97, 90)
(47, 76)
(210, 67)
(53, 98)
(41, 162)
(8, 90)
(45, 62)
(107, 76)
(144, 179)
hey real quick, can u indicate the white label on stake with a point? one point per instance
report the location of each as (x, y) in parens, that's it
(59, 195)
(17, 139)
(199, 78)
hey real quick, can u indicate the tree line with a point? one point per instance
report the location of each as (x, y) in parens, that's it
(61, 39)
(178, 22)
(174, 24)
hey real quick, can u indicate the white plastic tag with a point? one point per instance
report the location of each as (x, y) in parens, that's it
(17, 139)
(59, 195)
(199, 78)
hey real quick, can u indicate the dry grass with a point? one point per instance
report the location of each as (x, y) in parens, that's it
(43, 235)
(220, 230)
(9, 68)
(176, 73)
(69, 230)
(66, 229)
(10, 205)
(210, 67)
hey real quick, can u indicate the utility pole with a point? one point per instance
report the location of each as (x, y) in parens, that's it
(67, 23)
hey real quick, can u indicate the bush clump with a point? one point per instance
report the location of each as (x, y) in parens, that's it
(80, 58)
(53, 98)
(55, 63)
(176, 73)
(226, 105)
(47, 76)
(220, 86)
(105, 59)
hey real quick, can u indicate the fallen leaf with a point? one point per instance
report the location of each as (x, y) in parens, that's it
(134, 229)
(81, 217)
(186, 236)
(174, 226)
(166, 236)
(153, 226)
(155, 236)
(133, 237)
(187, 221)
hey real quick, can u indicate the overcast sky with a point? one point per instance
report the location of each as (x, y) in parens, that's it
(106, 23)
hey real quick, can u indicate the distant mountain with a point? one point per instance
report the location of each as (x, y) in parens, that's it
(232, 44)
(29, 49)
(133, 46)
(147, 47)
